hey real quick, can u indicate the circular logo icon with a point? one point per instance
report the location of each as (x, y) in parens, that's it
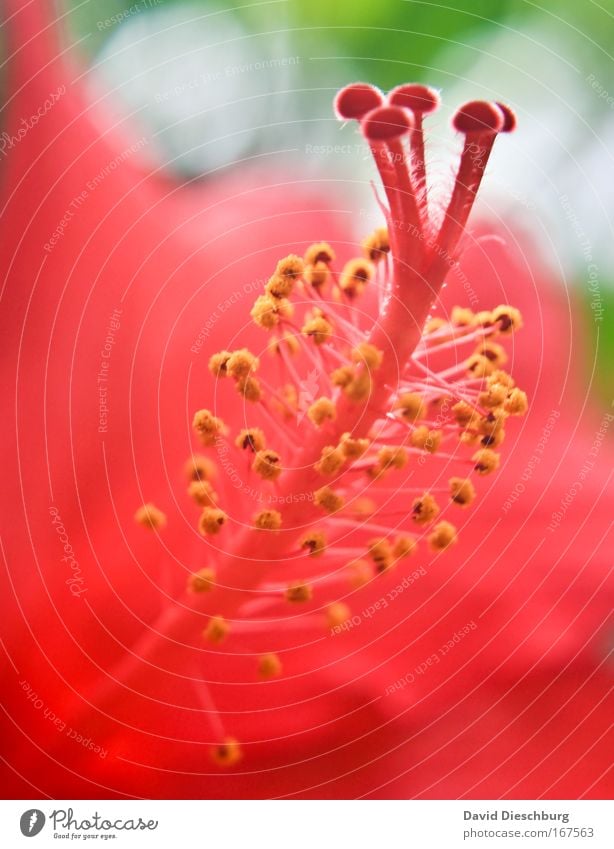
(31, 822)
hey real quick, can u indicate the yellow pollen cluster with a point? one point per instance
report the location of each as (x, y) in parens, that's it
(425, 439)
(376, 245)
(317, 275)
(150, 517)
(353, 448)
(411, 406)
(298, 593)
(404, 546)
(355, 276)
(319, 252)
(217, 630)
(331, 461)
(268, 311)
(269, 666)
(211, 521)
(202, 493)
(251, 438)
(380, 551)
(267, 464)
(318, 328)
(202, 581)
(368, 355)
(321, 411)
(268, 520)
(424, 509)
(442, 535)
(200, 468)
(462, 491)
(388, 457)
(337, 614)
(328, 500)
(227, 753)
(486, 461)
(314, 542)
(208, 427)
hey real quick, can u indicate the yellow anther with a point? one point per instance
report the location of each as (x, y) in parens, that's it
(392, 457)
(328, 500)
(486, 461)
(493, 352)
(202, 581)
(319, 252)
(150, 517)
(268, 520)
(314, 542)
(241, 364)
(493, 440)
(227, 753)
(404, 546)
(250, 389)
(469, 437)
(355, 276)
(376, 245)
(462, 317)
(317, 275)
(424, 509)
(342, 376)
(331, 460)
(380, 551)
(212, 519)
(352, 447)
(483, 318)
(361, 572)
(463, 413)
(363, 506)
(287, 342)
(268, 311)
(425, 439)
(251, 438)
(199, 467)
(322, 410)
(318, 328)
(267, 464)
(502, 377)
(516, 403)
(443, 535)
(492, 423)
(337, 613)
(359, 388)
(202, 493)
(479, 366)
(208, 427)
(411, 406)
(462, 491)
(298, 592)
(287, 272)
(218, 363)
(217, 630)
(367, 354)
(508, 318)
(279, 287)
(434, 324)
(269, 666)
(494, 396)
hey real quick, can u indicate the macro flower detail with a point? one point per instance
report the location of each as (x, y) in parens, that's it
(366, 424)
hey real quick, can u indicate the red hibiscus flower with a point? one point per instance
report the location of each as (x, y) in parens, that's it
(376, 583)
